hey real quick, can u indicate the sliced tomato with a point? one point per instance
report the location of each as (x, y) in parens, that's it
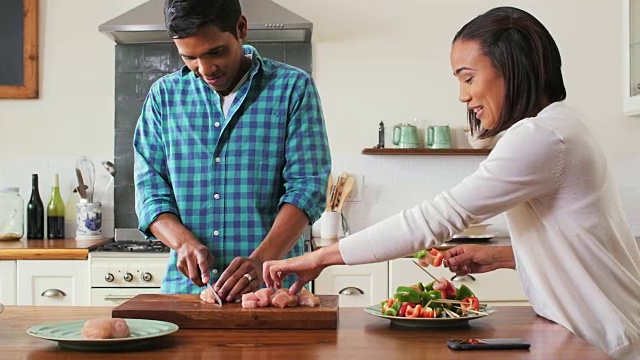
(434, 251)
(469, 303)
(413, 312)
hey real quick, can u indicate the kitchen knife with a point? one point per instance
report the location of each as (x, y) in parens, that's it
(215, 295)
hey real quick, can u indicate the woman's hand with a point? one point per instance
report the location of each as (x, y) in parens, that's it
(468, 259)
(306, 267)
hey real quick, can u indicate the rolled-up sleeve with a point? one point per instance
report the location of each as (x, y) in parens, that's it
(153, 191)
(308, 159)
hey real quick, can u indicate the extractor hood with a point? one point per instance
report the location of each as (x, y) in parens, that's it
(268, 22)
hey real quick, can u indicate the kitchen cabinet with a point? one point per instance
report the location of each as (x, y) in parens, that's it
(8, 282)
(357, 286)
(53, 282)
(631, 56)
(500, 287)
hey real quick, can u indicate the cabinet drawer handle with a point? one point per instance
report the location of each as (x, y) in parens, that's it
(462, 278)
(53, 293)
(118, 297)
(350, 290)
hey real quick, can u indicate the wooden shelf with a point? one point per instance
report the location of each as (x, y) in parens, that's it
(422, 151)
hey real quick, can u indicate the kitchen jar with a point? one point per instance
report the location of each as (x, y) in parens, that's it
(11, 214)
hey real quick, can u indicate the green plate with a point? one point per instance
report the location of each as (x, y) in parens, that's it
(68, 334)
(376, 310)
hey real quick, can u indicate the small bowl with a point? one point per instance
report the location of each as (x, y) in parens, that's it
(475, 230)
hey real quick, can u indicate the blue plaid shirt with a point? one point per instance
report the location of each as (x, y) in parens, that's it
(227, 179)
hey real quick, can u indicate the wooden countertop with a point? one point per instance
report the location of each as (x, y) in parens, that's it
(359, 336)
(59, 249)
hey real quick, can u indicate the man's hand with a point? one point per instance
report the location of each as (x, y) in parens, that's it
(195, 261)
(242, 276)
(469, 259)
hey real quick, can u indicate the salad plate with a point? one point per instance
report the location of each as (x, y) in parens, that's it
(68, 334)
(376, 310)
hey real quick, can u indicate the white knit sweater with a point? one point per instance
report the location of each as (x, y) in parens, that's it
(577, 258)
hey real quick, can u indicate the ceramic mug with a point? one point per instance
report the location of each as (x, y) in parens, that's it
(439, 137)
(405, 136)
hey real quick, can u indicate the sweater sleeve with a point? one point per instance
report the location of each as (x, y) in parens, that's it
(526, 163)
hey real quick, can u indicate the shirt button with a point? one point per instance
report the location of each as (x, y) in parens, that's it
(218, 159)
(214, 271)
(216, 196)
(216, 124)
(216, 232)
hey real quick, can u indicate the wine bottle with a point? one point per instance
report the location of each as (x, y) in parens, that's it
(35, 212)
(55, 212)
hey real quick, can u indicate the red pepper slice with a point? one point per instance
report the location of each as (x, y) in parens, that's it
(403, 309)
(469, 303)
(414, 312)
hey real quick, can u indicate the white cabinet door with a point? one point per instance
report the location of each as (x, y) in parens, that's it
(8, 282)
(357, 286)
(53, 282)
(500, 287)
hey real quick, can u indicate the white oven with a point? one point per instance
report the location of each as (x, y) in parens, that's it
(125, 268)
(119, 276)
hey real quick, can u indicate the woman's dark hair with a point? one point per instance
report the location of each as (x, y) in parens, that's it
(524, 53)
(183, 17)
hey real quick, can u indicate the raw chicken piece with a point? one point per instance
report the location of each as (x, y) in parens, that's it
(306, 298)
(250, 301)
(206, 295)
(105, 329)
(264, 297)
(283, 299)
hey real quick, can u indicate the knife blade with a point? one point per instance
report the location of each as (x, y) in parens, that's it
(215, 295)
(425, 270)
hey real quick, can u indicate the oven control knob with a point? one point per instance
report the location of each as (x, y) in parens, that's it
(109, 277)
(128, 277)
(146, 277)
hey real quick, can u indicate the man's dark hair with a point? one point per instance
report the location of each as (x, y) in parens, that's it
(183, 17)
(523, 51)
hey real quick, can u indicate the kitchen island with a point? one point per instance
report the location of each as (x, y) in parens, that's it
(359, 336)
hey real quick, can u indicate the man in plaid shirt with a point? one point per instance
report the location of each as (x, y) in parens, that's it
(231, 155)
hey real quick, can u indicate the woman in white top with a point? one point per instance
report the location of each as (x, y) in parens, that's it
(571, 244)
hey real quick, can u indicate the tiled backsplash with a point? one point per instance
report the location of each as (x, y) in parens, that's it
(137, 67)
(394, 183)
(391, 184)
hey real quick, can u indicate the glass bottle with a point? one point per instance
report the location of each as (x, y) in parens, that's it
(55, 212)
(11, 214)
(35, 212)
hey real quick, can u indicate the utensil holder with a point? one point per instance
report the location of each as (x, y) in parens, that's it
(88, 220)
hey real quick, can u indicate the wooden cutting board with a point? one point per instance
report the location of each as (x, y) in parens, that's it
(189, 312)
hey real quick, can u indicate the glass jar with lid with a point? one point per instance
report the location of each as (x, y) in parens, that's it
(11, 214)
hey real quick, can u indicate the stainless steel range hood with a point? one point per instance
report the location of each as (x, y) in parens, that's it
(268, 22)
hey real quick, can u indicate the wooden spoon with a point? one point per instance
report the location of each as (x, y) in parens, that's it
(329, 192)
(344, 192)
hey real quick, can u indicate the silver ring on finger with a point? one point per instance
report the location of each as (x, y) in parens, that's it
(249, 277)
